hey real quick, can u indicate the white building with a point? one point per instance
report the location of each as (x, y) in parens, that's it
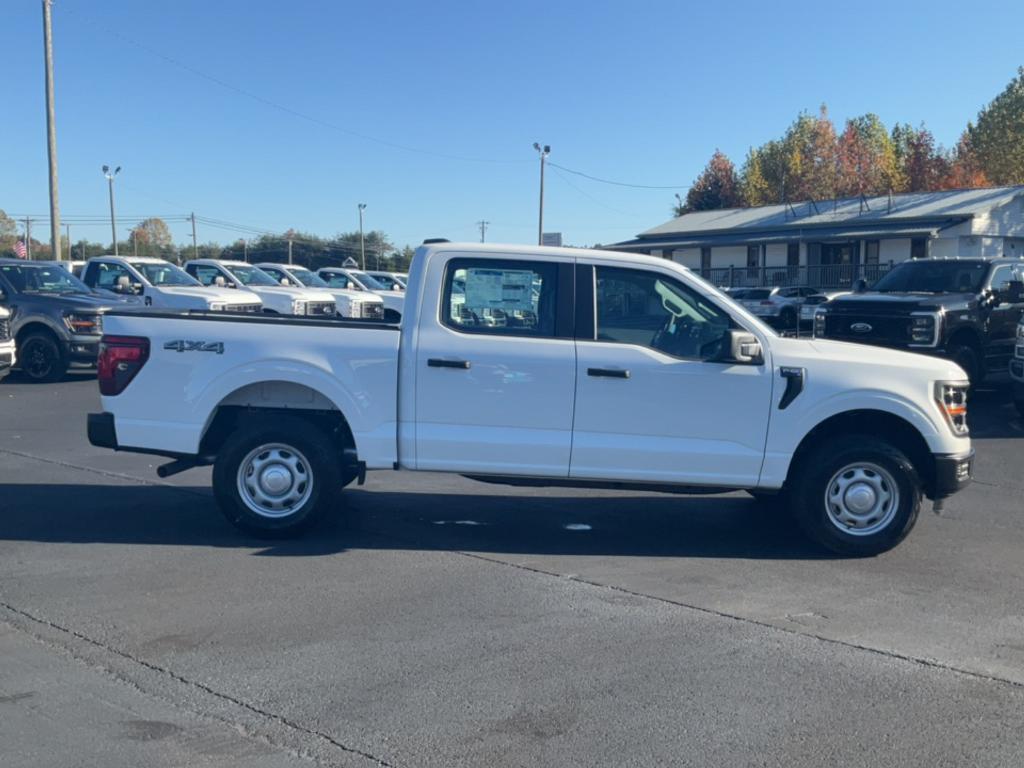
(829, 243)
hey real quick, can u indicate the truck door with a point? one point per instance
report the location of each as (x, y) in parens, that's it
(495, 367)
(650, 404)
(1002, 320)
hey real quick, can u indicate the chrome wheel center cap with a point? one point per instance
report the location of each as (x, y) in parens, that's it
(275, 480)
(860, 498)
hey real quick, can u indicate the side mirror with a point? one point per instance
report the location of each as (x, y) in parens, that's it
(285, 281)
(123, 284)
(219, 281)
(860, 285)
(742, 348)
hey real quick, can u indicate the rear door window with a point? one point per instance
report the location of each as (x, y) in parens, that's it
(505, 298)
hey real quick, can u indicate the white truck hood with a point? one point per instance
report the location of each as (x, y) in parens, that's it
(300, 294)
(207, 294)
(862, 361)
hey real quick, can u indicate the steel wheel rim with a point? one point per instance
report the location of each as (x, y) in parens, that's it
(39, 360)
(862, 499)
(274, 480)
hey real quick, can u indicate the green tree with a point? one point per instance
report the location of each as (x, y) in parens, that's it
(8, 233)
(718, 186)
(922, 165)
(998, 136)
(153, 237)
(964, 169)
(866, 158)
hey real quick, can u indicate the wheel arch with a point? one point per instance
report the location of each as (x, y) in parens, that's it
(36, 326)
(871, 423)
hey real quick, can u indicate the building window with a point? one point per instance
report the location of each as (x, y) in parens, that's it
(753, 260)
(919, 248)
(871, 252)
(705, 261)
(793, 255)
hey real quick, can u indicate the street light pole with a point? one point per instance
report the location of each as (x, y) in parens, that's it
(113, 219)
(51, 135)
(362, 244)
(544, 152)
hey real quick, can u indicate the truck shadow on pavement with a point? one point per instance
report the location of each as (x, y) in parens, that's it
(533, 521)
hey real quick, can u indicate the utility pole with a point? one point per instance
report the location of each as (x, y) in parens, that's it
(483, 229)
(28, 239)
(110, 174)
(195, 243)
(544, 152)
(67, 227)
(135, 243)
(289, 250)
(362, 245)
(51, 135)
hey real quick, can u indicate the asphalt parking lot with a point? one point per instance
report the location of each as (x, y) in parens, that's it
(439, 621)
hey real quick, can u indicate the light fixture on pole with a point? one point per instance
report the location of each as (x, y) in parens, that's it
(362, 245)
(544, 152)
(110, 174)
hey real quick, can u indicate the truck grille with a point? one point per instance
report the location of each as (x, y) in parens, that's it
(321, 309)
(5, 330)
(243, 307)
(371, 311)
(868, 329)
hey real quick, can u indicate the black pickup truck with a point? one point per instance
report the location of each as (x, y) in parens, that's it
(963, 309)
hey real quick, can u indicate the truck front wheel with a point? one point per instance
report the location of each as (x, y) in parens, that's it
(274, 478)
(857, 496)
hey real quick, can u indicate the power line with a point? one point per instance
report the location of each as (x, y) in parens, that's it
(275, 105)
(617, 183)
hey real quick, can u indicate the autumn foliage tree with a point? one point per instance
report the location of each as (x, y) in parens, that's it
(718, 186)
(998, 136)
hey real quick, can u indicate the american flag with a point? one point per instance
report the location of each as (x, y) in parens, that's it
(19, 249)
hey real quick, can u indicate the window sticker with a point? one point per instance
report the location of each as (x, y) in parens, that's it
(508, 290)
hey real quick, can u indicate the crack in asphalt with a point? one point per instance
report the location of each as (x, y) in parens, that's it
(164, 671)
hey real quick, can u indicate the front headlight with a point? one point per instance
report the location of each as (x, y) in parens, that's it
(819, 322)
(89, 325)
(1020, 334)
(298, 307)
(951, 397)
(924, 329)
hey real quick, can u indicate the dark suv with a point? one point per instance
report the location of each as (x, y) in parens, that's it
(963, 309)
(56, 320)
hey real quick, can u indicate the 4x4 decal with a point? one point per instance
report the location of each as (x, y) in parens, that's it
(195, 346)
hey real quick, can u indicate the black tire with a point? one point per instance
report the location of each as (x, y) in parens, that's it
(41, 358)
(967, 357)
(313, 491)
(820, 475)
(787, 319)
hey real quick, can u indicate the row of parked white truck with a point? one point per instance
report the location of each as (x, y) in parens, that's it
(238, 286)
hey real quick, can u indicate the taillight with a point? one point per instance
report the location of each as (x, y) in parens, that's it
(121, 357)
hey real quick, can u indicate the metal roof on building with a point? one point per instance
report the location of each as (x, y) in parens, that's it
(916, 212)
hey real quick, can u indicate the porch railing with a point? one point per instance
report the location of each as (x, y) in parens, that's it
(825, 276)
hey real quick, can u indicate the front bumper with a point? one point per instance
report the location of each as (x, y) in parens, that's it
(82, 349)
(952, 474)
(6, 361)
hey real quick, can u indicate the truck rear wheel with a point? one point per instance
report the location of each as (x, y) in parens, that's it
(274, 478)
(857, 496)
(967, 357)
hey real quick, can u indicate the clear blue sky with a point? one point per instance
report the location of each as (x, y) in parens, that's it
(640, 92)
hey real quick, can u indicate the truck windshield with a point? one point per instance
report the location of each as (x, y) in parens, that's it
(308, 278)
(934, 277)
(163, 274)
(368, 282)
(28, 278)
(252, 276)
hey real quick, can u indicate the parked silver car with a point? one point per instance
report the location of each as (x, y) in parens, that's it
(811, 304)
(781, 305)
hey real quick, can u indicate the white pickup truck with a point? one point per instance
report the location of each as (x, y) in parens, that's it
(277, 299)
(606, 370)
(351, 303)
(159, 284)
(354, 280)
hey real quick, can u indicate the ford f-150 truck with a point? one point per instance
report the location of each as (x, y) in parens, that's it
(277, 299)
(159, 284)
(606, 370)
(351, 303)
